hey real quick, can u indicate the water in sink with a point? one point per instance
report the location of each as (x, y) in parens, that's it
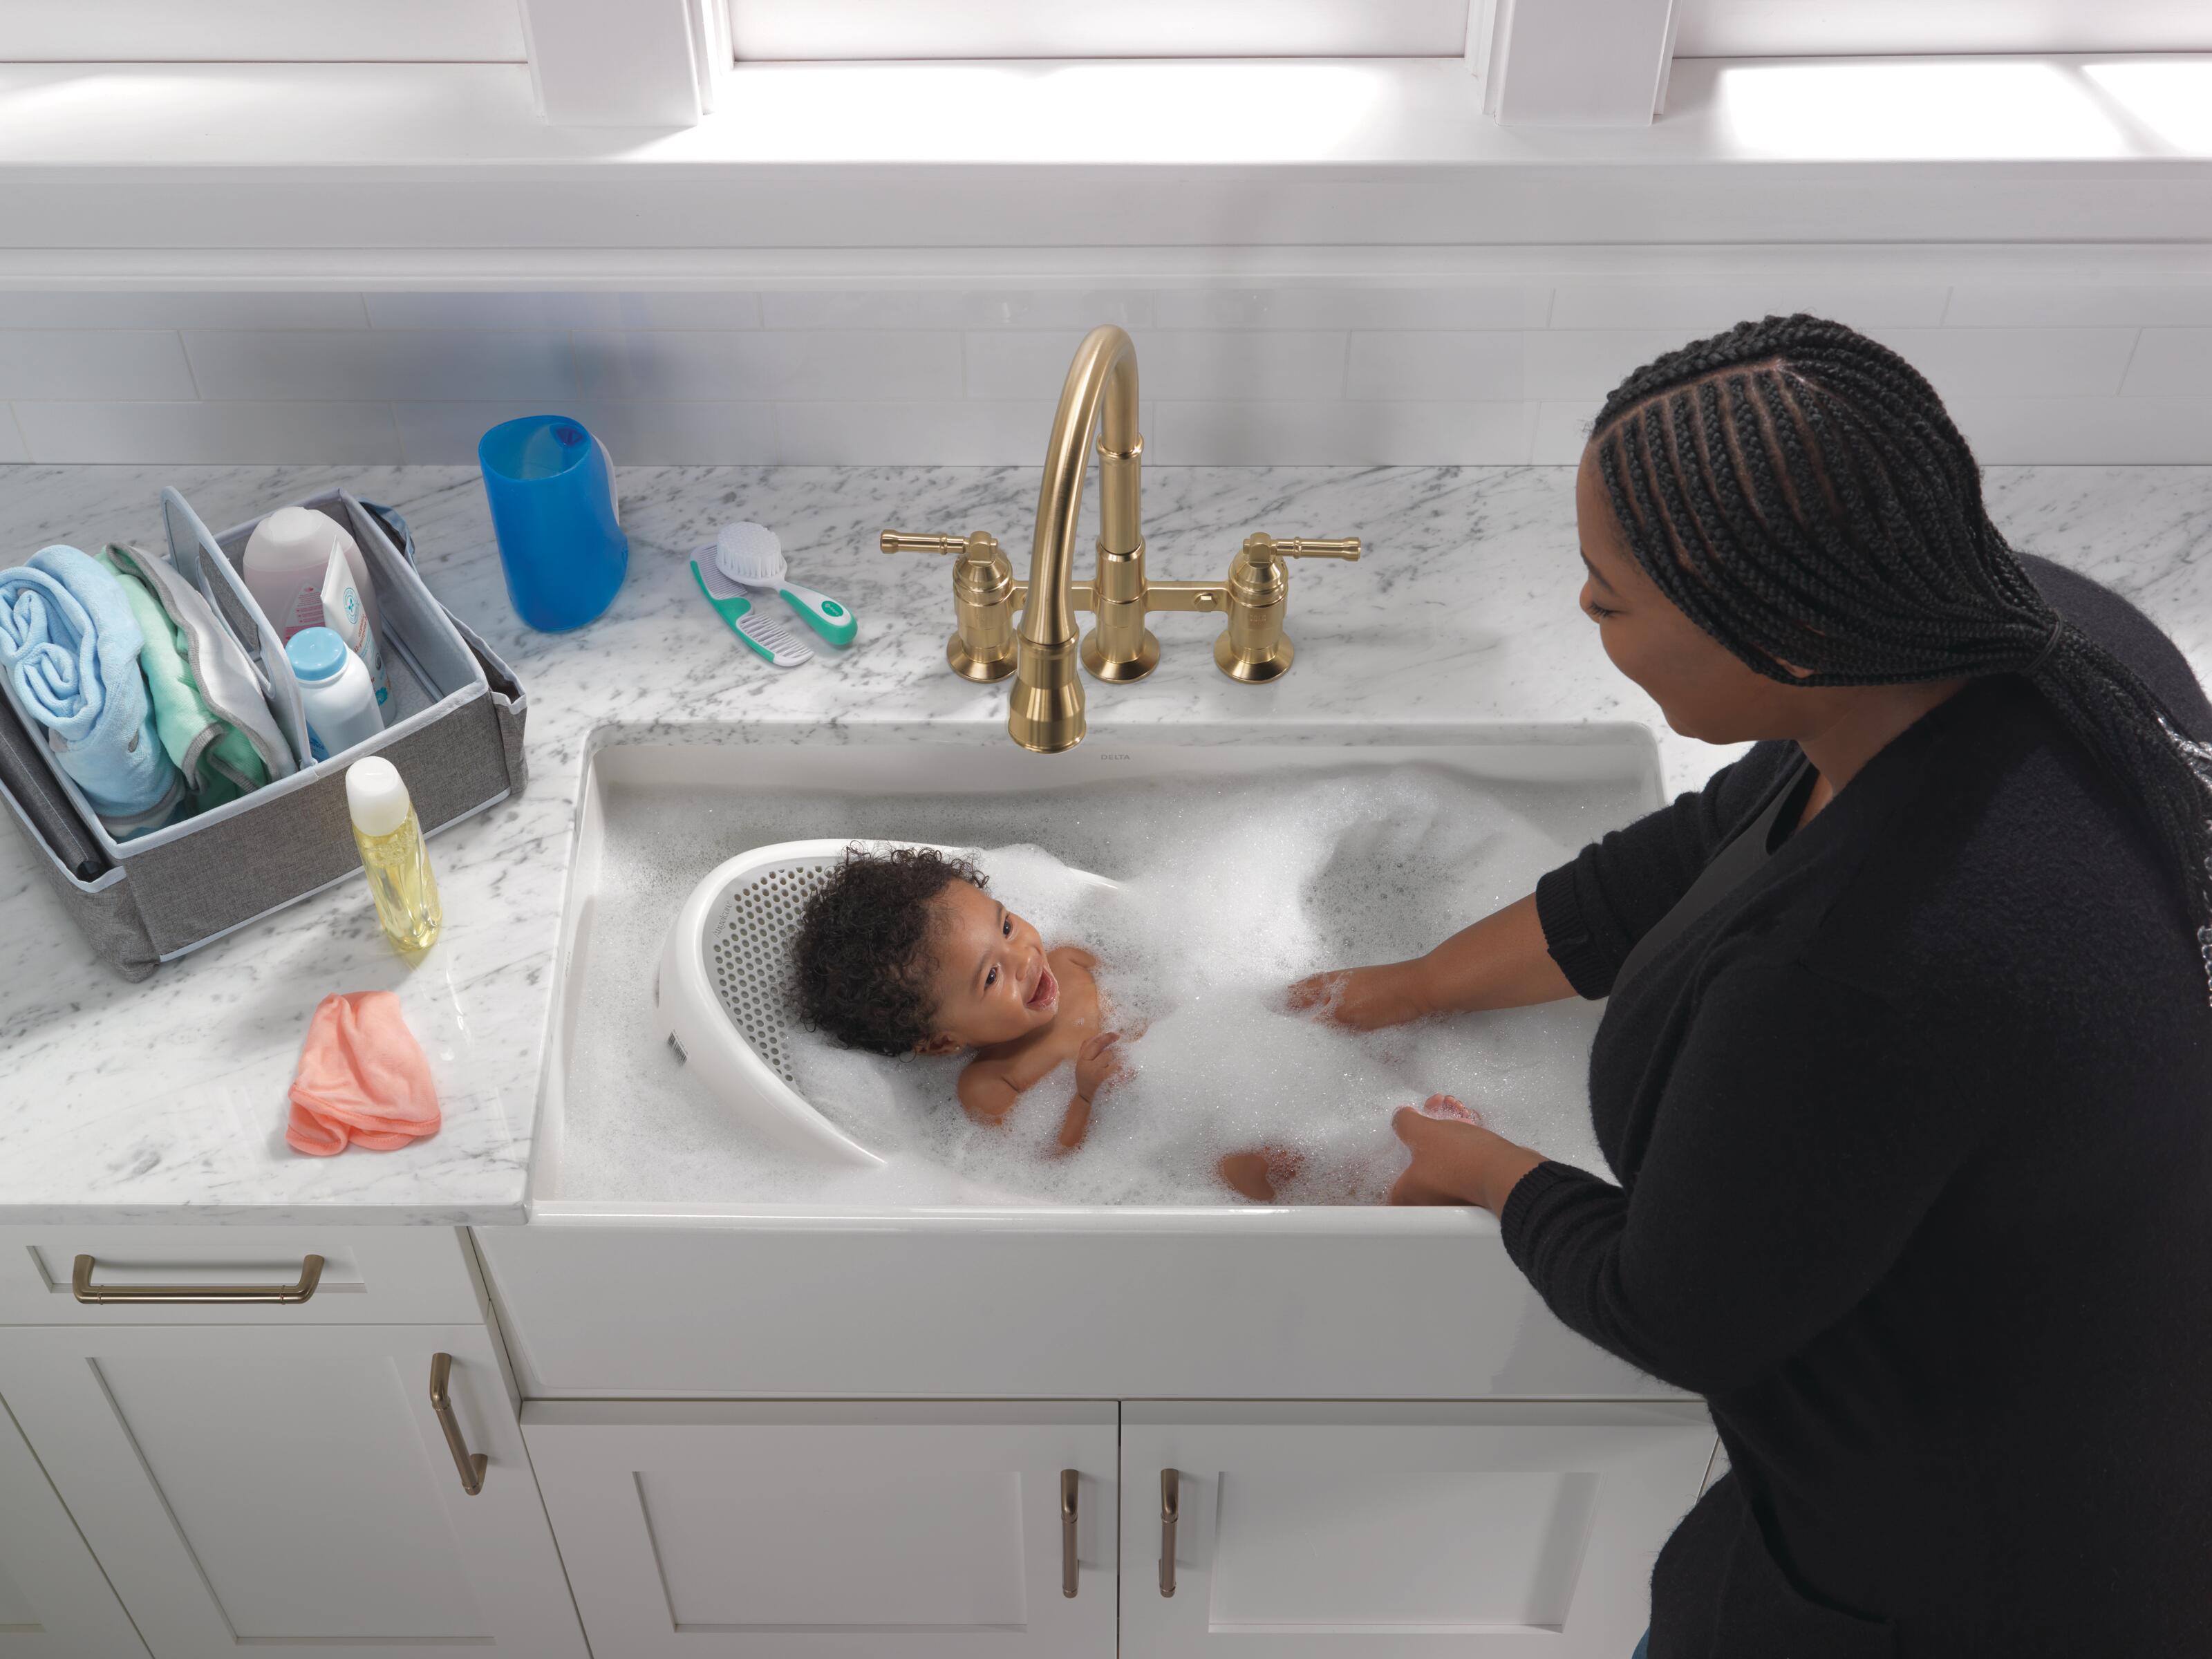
(1233, 887)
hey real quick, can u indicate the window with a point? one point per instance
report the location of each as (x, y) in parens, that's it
(261, 31)
(1833, 28)
(769, 30)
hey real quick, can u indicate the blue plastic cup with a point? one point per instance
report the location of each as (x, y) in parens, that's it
(552, 485)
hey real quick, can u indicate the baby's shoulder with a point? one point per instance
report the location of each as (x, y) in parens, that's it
(1076, 954)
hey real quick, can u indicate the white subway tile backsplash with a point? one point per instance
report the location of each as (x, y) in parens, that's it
(1579, 363)
(2015, 362)
(1411, 369)
(183, 433)
(1037, 308)
(661, 434)
(2171, 362)
(99, 310)
(1462, 367)
(712, 310)
(93, 363)
(768, 365)
(381, 363)
(1711, 305)
(1334, 433)
(2078, 305)
(2087, 431)
(1188, 365)
(957, 434)
(1467, 305)
(1562, 429)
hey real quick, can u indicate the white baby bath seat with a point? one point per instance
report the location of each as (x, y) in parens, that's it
(724, 989)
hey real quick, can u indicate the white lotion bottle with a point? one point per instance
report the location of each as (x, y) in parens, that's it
(336, 691)
(284, 563)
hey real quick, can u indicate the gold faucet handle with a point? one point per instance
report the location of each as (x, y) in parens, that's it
(909, 541)
(1306, 547)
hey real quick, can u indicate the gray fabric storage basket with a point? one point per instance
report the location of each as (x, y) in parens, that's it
(454, 732)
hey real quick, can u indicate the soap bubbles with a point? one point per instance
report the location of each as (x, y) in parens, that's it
(1234, 891)
(1230, 888)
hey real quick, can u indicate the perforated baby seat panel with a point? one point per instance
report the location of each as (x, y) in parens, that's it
(748, 953)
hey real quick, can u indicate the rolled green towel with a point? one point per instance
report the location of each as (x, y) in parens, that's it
(219, 761)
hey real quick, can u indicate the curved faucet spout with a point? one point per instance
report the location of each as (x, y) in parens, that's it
(1046, 709)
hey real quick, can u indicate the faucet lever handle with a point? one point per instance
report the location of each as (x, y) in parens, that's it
(1306, 547)
(910, 541)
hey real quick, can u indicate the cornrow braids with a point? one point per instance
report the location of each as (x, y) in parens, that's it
(1800, 493)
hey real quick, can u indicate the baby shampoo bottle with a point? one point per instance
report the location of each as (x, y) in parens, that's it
(393, 856)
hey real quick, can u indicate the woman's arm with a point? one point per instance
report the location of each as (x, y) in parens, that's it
(1501, 962)
(1805, 1130)
(1570, 935)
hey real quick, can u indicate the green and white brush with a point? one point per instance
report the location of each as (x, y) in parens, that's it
(751, 556)
(759, 632)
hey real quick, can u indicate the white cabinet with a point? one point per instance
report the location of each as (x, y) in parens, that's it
(1360, 1531)
(291, 1490)
(54, 1602)
(913, 1531)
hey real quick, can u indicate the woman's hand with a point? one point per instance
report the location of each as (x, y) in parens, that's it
(1364, 999)
(1455, 1159)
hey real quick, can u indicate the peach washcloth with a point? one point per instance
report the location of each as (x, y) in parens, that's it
(363, 1079)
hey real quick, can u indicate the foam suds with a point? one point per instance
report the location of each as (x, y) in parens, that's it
(1230, 889)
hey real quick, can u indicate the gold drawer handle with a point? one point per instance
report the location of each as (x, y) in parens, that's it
(1170, 1507)
(1069, 1568)
(470, 1464)
(310, 1274)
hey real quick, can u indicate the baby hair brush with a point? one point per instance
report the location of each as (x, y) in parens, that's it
(751, 556)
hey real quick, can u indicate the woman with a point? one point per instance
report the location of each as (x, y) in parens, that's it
(1909, 1085)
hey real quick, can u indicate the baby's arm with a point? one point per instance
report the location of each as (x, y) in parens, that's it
(1097, 1064)
(986, 1092)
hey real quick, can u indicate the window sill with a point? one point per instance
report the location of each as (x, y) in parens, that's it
(290, 175)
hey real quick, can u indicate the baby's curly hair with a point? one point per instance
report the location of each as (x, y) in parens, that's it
(861, 959)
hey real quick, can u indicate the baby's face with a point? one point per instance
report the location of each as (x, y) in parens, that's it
(989, 973)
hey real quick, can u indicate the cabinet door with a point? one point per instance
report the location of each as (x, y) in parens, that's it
(54, 1602)
(291, 1490)
(832, 1531)
(1349, 1531)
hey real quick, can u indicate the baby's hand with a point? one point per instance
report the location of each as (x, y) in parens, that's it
(1098, 1063)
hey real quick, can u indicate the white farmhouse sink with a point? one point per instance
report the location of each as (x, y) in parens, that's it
(942, 1287)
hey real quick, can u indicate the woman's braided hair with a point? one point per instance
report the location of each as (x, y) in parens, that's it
(1800, 493)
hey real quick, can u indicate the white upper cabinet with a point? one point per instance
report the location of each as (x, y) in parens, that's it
(292, 1492)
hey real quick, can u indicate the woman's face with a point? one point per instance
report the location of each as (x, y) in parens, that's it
(1700, 687)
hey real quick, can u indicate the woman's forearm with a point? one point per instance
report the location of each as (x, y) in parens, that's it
(1500, 961)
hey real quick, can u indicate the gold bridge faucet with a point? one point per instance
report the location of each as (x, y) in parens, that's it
(1045, 712)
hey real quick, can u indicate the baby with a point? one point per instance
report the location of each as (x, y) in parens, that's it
(905, 951)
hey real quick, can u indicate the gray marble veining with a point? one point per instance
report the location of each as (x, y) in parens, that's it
(165, 1101)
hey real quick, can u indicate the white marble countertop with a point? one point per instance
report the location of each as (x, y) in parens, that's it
(165, 1101)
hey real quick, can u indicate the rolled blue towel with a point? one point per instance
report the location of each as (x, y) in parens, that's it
(69, 646)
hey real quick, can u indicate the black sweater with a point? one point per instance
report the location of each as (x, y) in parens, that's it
(1914, 1137)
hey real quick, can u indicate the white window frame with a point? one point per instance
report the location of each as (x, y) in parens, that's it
(1920, 28)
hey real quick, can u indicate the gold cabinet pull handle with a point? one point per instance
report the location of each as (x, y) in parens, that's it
(81, 1285)
(1068, 1567)
(470, 1464)
(1171, 1505)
